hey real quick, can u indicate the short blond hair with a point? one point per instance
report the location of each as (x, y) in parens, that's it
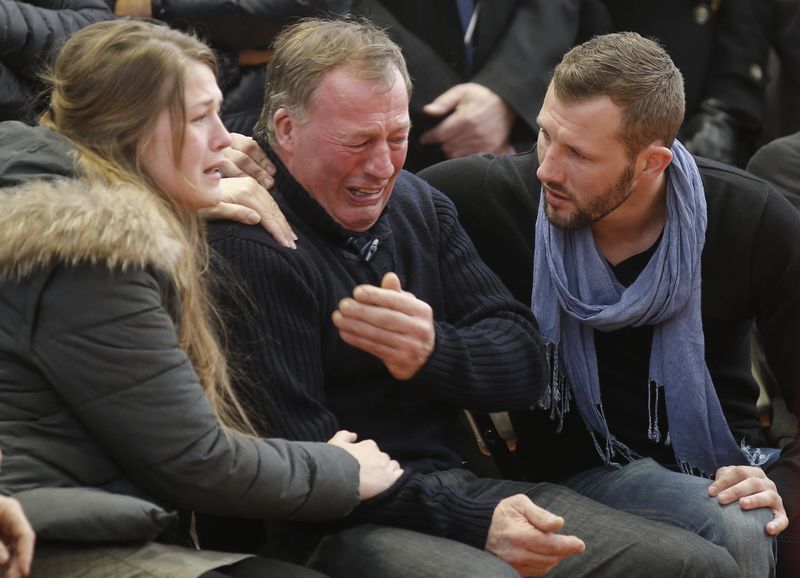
(637, 74)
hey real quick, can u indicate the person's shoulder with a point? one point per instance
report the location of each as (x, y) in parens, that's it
(486, 175)
(33, 152)
(222, 231)
(790, 141)
(415, 203)
(475, 170)
(409, 183)
(739, 201)
(723, 179)
(250, 250)
(775, 154)
(778, 161)
(489, 187)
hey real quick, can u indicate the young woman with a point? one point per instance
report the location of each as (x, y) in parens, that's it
(115, 403)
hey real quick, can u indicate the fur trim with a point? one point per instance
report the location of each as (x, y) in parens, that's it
(73, 221)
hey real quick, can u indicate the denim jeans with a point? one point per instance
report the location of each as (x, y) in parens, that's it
(617, 544)
(649, 490)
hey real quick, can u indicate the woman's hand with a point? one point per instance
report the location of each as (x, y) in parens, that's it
(248, 202)
(248, 178)
(378, 471)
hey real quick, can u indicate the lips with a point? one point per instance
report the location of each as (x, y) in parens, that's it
(365, 192)
(214, 170)
(555, 199)
(365, 196)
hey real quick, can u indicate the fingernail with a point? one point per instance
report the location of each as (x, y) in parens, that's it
(290, 243)
(253, 218)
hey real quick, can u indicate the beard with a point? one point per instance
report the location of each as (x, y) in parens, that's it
(595, 208)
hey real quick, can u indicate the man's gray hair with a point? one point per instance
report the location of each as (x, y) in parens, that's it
(305, 51)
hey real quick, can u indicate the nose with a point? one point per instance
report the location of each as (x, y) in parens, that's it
(549, 170)
(379, 163)
(220, 137)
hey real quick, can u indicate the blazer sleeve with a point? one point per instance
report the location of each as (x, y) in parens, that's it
(432, 75)
(739, 74)
(106, 343)
(519, 66)
(241, 24)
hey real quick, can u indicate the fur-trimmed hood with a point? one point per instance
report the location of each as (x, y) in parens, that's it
(48, 213)
(72, 221)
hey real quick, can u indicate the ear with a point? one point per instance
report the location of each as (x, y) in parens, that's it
(285, 126)
(655, 160)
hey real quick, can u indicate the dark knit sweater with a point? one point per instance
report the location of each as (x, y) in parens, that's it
(306, 383)
(750, 271)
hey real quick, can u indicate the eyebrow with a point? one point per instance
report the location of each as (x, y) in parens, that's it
(203, 103)
(208, 101)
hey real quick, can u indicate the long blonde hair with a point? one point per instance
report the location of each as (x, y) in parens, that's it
(109, 83)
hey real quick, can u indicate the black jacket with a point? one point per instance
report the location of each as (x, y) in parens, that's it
(29, 33)
(94, 388)
(517, 44)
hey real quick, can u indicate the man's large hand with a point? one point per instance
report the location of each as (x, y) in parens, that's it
(523, 534)
(480, 122)
(753, 489)
(377, 471)
(389, 323)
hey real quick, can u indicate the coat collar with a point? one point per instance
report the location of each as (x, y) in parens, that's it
(73, 221)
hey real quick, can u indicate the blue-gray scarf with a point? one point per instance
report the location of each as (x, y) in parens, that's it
(575, 292)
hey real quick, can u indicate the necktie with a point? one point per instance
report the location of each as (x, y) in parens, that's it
(468, 14)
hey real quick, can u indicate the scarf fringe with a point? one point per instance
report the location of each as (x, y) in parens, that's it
(557, 394)
(653, 396)
(691, 470)
(613, 447)
(754, 456)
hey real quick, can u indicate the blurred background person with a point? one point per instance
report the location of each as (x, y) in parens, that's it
(241, 33)
(30, 31)
(480, 69)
